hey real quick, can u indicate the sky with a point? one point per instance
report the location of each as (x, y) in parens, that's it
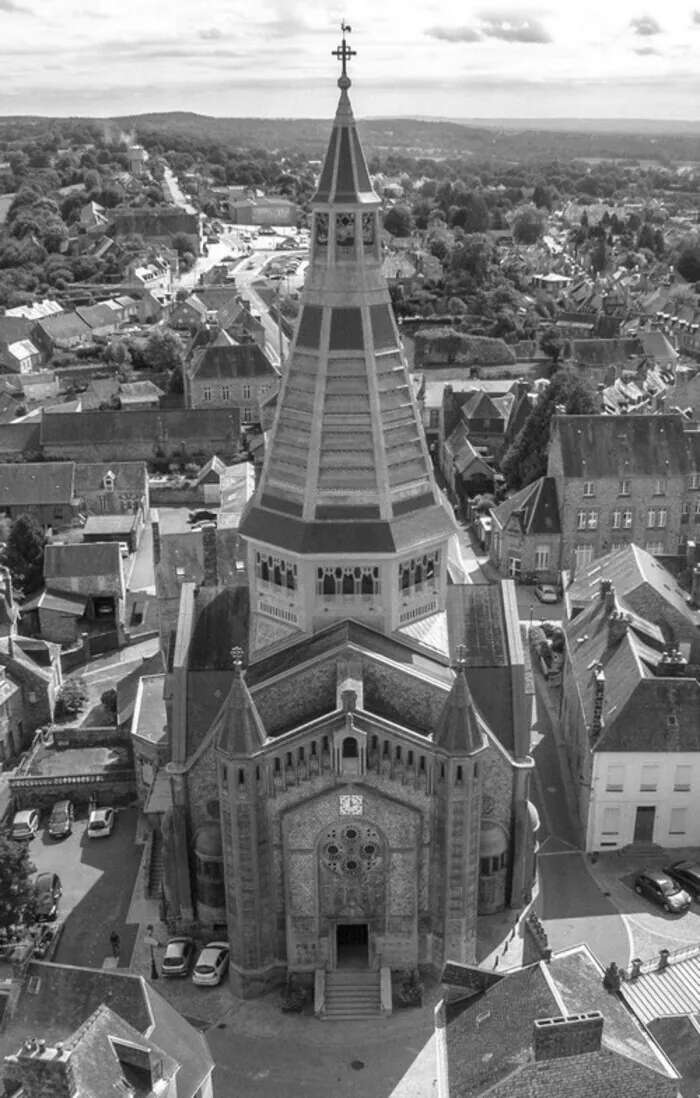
(272, 58)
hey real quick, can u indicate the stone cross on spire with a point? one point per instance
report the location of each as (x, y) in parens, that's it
(344, 53)
(237, 657)
(461, 656)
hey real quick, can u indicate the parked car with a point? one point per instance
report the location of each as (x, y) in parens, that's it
(658, 887)
(61, 820)
(546, 592)
(48, 893)
(687, 875)
(100, 823)
(179, 954)
(25, 824)
(124, 548)
(212, 964)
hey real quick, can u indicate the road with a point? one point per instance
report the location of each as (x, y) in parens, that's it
(171, 185)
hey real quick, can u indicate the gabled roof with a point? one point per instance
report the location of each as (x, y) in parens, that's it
(228, 361)
(465, 458)
(599, 447)
(64, 326)
(99, 558)
(605, 352)
(99, 316)
(129, 476)
(144, 424)
(535, 508)
(36, 484)
(481, 405)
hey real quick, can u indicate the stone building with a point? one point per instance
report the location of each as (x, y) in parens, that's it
(361, 792)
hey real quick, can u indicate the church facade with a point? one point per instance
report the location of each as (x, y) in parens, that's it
(350, 729)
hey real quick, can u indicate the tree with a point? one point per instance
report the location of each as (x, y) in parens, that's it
(163, 350)
(688, 263)
(398, 221)
(528, 224)
(182, 243)
(24, 554)
(600, 256)
(552, 344)
(526, 458)
(16, 889)
(72, 699)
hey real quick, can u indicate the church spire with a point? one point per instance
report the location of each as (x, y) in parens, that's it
(347, 471)
(239, 730)
(458, 730)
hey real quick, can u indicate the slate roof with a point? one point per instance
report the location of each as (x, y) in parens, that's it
(238, 728)
(605, 352)
(481, 405)
(535, 508)
(138, 391)
(68, 996)
(658, 347)
(127, 688)
(143, 424)
(14, 328)
(489, 1036)
(150, 720)
(598, 447)
(153, 221)
(129, 476)
(98, 558)
(637, 704)
(20, 438)
(36, 484)
(62, 602)
(232, 361)
(102, 315)
(344, 176)
(465, 458)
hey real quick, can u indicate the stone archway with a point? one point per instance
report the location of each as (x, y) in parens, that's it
(352, 865)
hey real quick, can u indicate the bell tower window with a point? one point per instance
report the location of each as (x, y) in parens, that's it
(417, 574)
(276, 571)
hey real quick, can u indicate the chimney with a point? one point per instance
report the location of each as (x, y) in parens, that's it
(618, 623)
(42, 1071)
(695, 588)
(556, 1038)
(606, 587)
(598, 699)
(672, 664)
(210, 556)
(635, 968)
(155, 531)
(663, 959)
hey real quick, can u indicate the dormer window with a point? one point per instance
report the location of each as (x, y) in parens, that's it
(108, 481)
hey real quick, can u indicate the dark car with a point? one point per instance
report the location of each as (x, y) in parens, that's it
(179, 954)
(61, 821)
(658, 887)
(687, 875)
(48, 892)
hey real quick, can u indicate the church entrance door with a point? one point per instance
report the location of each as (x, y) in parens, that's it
(352, 942)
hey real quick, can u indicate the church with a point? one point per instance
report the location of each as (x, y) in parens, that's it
(349, 727)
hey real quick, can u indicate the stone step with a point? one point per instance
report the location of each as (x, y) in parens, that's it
(352, 995)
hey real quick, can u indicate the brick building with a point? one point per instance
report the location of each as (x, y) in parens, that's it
(362, 793)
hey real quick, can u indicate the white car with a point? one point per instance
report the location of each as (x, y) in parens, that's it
(25, 824)
(100, 823)
(212, 964)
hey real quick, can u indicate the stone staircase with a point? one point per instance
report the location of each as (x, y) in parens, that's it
(352, 994)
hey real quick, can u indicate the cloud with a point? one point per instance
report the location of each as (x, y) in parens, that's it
(12, 8)
(645, 26)
(648, 51)
(454, 34)
(211, 33)
(514, 28)
(695, 18)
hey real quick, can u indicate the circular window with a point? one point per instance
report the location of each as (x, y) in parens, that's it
(355, 851)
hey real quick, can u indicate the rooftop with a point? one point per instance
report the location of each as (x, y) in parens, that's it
(150, 720)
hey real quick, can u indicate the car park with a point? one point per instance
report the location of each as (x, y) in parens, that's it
(687, 875)
(61, 820)
(661, 889)
(48, 893)
(546, 592)
(179, 954)
(212, 964)
(25, 824)
(100, 823)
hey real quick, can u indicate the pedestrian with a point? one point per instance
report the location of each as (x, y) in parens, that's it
(115, 943)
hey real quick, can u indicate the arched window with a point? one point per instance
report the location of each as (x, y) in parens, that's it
(349, 747)
(348, 583)
(329, 584)
(367, 583)
(265, 570)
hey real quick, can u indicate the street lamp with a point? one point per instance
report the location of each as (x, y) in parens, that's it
(151, 941)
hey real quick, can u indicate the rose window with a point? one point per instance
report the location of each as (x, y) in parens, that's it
(352, 850)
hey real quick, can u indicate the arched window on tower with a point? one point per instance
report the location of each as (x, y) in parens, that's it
(350, 761)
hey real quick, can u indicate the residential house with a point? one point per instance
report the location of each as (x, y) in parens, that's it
(154, 275)
(21, 357)
(546, 1030)
(629, 719)
(466, 471)
(38, 310)
(158, 225)
(621, 479)
(262, 210)
(229, 375)
(80, 1031)
(484, 416)
(156, 437)
(64, 330)
(43, 489)
(650, 591)
(14, 331)
(11, 719)
(93, 216)
(103, 319)
(187, 315)
(84, 590)
(526, 533)
(432, 388)
(109, 489)
(35, 666)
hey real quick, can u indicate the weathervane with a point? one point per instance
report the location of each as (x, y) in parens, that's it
(344, 53)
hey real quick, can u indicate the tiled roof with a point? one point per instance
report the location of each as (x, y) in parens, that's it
(600, 447)
(535, 507)
(154, 221)
(36, 484)
(129, 476)
(465, 457)
(657, 346)
(232, 361)
(99, 558)
(62, 602)
(605, 352)
(99, 316)
(200, 424)
(64, 326)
